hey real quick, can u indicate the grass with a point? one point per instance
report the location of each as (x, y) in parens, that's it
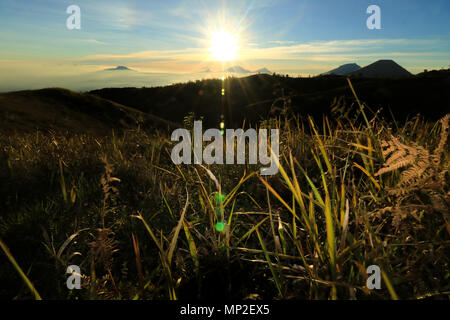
(19, 270)
(141, 227)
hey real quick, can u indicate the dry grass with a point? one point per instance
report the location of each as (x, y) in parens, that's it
(349, 194)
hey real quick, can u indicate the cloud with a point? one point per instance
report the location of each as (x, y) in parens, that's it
(355, 47)
(117, 15)
(178, 61)
(158, 67)
(281, 42)
(287, 51)
(93, 41)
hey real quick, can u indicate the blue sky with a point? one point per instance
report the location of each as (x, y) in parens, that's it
(172, 36)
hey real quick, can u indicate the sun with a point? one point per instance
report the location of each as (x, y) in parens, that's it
(224, 46)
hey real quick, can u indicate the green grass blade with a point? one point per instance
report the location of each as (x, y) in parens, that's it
(19, 270)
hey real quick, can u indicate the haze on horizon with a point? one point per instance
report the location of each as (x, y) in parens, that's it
(166, 42)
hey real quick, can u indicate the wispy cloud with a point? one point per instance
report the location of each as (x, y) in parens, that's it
(282, 42)
(189, 54)
(293, 58)
(93, 41)
(285, 53)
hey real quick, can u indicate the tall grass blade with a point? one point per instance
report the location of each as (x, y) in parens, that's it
(19, 270)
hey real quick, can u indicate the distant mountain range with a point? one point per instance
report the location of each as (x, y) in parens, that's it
(241, 70)
(237, 69)
(378, 69)
(234, 69)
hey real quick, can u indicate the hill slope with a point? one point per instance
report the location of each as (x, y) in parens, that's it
(251, 97)
(62, 109)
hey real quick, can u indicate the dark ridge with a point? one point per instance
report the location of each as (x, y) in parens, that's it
(65, 110)
(251, 97)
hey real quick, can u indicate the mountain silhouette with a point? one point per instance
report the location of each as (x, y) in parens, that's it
(344, 69)
(382, 69)
(241, 70)
(119, 68)
(237, 69)
(263, 70)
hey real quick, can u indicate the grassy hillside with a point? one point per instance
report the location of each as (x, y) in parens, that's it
(354, 190)
(65, 110)
(256, 97)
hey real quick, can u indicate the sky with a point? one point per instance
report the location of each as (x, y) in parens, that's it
(169, 41)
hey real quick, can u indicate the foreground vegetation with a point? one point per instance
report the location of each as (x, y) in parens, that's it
(353, 191)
